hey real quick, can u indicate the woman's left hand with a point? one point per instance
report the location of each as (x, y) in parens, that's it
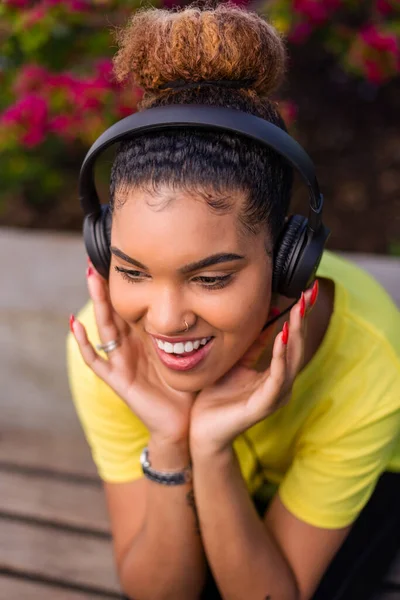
(243, 396)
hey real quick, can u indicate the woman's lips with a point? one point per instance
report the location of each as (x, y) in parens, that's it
(183, 362)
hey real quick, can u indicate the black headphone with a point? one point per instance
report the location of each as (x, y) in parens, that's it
(300, 245)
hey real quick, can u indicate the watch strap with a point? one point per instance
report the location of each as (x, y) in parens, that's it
(164, 477)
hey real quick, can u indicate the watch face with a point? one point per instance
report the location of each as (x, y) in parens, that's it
(143, 458)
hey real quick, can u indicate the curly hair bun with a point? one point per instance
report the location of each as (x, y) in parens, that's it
(195, 44)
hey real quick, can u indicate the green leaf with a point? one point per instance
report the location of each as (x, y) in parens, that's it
(36, 37)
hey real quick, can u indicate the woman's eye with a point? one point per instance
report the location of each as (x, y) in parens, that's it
(213, 283)
(132, 276)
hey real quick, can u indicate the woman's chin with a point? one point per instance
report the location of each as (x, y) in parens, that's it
(183, 382)
(190, 381)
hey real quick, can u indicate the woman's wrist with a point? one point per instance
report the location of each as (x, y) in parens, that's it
(207, 451)
(167, 454)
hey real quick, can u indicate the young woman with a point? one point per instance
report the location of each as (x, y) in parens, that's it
(275, 441)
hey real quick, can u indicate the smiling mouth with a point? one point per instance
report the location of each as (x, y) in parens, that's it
(183, 356)
(182, 348)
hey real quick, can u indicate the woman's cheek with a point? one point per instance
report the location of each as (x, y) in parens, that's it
(238, 311)
(126, 300)
(238, 322)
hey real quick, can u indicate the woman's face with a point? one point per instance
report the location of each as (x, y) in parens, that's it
(184, 262)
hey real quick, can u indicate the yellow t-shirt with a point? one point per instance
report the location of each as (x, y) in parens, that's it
(326, 448)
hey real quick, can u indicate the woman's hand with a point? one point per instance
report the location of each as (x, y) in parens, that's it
(242, 397)
(129, 372)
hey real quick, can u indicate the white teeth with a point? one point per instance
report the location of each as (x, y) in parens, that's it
(180, 347)
(168, 348)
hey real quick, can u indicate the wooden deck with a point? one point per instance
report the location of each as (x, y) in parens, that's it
(54, 533)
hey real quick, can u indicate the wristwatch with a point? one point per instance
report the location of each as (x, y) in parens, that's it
(164, 477)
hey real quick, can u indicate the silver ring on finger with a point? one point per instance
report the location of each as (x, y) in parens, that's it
(109, 346)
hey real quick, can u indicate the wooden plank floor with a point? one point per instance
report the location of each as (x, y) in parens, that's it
(55, 540)
(54, 531)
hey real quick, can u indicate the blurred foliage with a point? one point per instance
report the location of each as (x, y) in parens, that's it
(58, 93)
(394, 248)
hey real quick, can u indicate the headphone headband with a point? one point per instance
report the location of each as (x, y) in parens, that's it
(209, 118)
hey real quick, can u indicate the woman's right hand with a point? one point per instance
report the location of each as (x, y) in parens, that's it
(129, 372)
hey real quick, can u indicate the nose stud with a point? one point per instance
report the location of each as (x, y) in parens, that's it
(187, 326)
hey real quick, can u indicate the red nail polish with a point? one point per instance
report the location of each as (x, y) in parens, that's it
(314, 293)
(285, 333)
(71, 323)
(89, 271)
(302, 305)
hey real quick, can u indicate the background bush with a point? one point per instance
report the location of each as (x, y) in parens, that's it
(57, 91)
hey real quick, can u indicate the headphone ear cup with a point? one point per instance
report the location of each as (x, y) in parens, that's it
(97, 238)
(286, 250)
(107, 222)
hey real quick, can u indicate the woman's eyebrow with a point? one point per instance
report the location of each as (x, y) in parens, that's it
(214, 259)
(126, 258)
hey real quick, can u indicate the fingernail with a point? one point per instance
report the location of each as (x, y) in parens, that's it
(314, 293)
(89, 271)
(285, 333)
(71, 323)
(302, 305)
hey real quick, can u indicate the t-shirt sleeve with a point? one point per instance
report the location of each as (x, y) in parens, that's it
(345, 445)
(115, 435)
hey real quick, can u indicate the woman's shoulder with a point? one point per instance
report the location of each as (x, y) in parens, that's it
(360, 300)
(356, 368)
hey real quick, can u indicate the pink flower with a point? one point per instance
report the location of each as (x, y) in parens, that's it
(78, 5)
(104, 69)
(124, 111)
(57, 80)
(373, 71)
(384, 7)
(18, 3)
(300, 33)
(60, 123)
(33, 137)
(36, 14)
(29, 79)
(316, 11)
(63, 126)
(380, 40)
(72, 5)
(30, 114)
(65, 104)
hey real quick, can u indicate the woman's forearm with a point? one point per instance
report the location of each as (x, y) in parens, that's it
(166, 560)
(245, 559)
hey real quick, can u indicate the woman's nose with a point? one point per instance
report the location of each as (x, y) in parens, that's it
(167, 311)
